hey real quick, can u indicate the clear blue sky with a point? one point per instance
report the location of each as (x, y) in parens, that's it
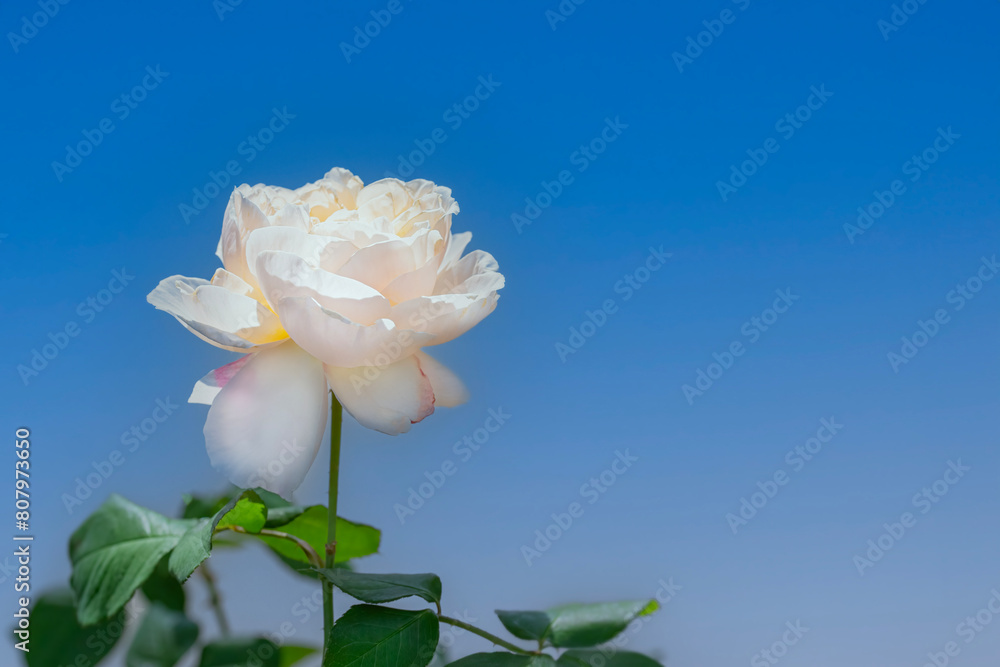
(879, 98)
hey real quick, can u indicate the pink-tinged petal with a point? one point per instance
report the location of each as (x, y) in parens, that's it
(207, 388)
(336, 340)
(387, 399)
(266, 424)
(283, 275)
(449, 390)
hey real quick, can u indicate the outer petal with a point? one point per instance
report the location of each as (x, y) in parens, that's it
(456, 246)
(445, 316)
(449, 390)
(215, 314)
(336, 340)
(266, 424)
(207, 388)
(387, 399)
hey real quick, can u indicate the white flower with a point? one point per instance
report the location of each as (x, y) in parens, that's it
(333, 285)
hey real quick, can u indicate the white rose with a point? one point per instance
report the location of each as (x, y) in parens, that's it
(332, 285)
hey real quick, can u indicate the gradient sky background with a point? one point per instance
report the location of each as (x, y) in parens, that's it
(654, 186)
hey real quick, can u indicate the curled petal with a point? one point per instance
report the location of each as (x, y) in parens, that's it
(456, 246)
(217, 315)
(266, 424)
(387, 399)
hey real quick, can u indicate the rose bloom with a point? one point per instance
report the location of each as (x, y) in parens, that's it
(332, 286)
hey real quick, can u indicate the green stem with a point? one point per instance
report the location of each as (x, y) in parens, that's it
(485, 635)
(336, 420)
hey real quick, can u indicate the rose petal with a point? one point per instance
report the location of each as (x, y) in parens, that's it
(338, 341)
(445, 316)
(207, 388)
(449, 390)
(326, 252)
(456, 246)
(266, 424)
(215, 314)
(283, 275)
(387, 399)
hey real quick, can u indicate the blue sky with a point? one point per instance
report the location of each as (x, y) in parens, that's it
(865, 101)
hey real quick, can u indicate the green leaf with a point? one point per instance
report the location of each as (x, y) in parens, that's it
(289, 655)
(576, 625)
(164, 636)
(161, 586)
(113, 553)
(379, 588)
(248, 512)
(533, 625)
(245, 510)
(610, 659)
(504, 660)
(61, 640)
(204, 507)
(252, 652)
(370, 636)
